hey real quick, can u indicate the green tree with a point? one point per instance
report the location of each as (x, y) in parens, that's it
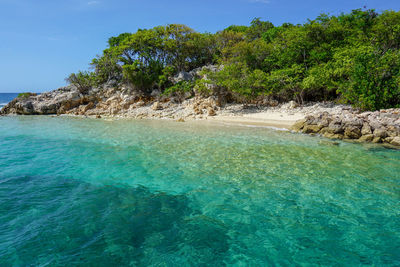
(83, 80)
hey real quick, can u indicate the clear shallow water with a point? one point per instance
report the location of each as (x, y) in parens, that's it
(149, 193)
(6, 97)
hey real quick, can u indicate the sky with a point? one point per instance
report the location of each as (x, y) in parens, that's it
(43, 41)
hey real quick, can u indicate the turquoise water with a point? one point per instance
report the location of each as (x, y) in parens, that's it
(153, 193)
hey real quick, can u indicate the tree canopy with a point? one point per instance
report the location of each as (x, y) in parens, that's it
(350, 58)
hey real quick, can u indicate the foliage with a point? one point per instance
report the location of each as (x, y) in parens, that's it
(239, 79)
(164, 79)
(353, 57)
(180, 90)
(374, 80)
(25, 95)
(287, 83)
(83, 80)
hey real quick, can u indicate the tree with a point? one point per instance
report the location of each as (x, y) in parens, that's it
(83, 80)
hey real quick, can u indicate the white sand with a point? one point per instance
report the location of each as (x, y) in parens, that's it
(274, 119)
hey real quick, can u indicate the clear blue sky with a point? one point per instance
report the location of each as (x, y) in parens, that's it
(42, 41)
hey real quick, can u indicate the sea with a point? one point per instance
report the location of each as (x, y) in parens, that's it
(98, 192)
(6, 97)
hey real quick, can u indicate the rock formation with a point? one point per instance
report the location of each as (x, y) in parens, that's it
(378, 127)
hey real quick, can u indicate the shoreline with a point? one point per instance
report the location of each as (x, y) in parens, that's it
(258, 118)
(330, 120)
(262, 119)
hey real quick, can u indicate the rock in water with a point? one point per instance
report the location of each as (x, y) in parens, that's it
(298, 125)
(352, 132)
(45, 103)
(376, 127)
(395, 141)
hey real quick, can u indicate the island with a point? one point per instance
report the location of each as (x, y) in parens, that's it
(337, 76)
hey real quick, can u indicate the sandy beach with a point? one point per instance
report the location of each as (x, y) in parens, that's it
(270, 119)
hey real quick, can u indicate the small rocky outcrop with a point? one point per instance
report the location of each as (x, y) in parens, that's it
(377, 127)
(182, 76)
(205, 106)
(46, 103)
(195, 73)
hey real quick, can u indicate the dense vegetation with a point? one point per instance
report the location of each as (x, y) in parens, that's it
(351, 58)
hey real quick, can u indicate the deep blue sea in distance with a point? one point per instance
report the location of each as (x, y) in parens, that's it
(6, 97)
(99, 192)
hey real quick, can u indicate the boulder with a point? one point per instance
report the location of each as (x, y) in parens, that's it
(353, 121)
(311, 129)
(375, 124)
(298, 125)
(366, 129)
(388, 139)
(88, 106)
(335, 127)
(292, 104)
(182, 76)
(352, 132)
(395, 141)
(366, 138)
(157, 106)
(211, 111)
(393, 130)
(376, 140)
(380, 132)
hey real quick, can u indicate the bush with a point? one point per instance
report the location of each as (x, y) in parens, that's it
(374, 80)
(244, 83)
(181, 90)
(83, 80)
(25, 95)
(142, 77)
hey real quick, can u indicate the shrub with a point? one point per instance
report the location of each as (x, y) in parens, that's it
(237, 78)
(373, 81)
(83, 80)
(25, 95)
(181, 90)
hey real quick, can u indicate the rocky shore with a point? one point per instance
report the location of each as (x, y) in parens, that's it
(326, 119)
(377, 127)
